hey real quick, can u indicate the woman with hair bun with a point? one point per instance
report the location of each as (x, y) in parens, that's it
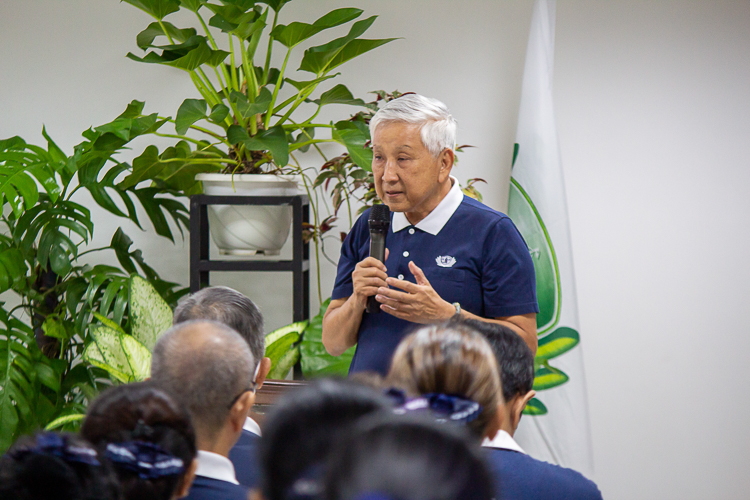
(52, 466)
(450, 372)
(147, 437)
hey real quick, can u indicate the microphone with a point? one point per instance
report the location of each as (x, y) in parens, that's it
(379, 222)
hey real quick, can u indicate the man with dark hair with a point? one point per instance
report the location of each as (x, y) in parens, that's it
(208, 368)
(520, 475)
(230, 307)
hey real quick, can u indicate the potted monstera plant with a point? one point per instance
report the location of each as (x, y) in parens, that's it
(252, 120)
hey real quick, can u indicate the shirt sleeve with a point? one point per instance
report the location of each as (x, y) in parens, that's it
(508, 281)
(351, 254)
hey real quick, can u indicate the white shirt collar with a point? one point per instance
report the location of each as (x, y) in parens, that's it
(504, 441)
(215, 466)
(436, 219)
(251, 425)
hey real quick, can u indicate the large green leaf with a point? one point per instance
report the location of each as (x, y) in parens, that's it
(285, 363)
(274, 140)
(187, 56)
(556, 343)
(547, 377)
(316, 362)
(150, 315)
(354, 49)
(247, 108)
(296, 32)
(119, 354)
(191, 110)
(528, 221)
(145, 167)
(146, 37)
(19, 360)
(279, 342)
(316, 59)
(13, 268)
(156, 8)
(17, 187)
(338, 95)
(348, 134)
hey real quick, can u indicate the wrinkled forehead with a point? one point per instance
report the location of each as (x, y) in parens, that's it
(398, 134)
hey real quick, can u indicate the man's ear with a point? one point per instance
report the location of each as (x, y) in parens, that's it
(240, 410)
(183, 488)
(265, 367)
(519, 403)
(446, 159)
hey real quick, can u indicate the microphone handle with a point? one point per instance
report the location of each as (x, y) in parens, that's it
(377, 250)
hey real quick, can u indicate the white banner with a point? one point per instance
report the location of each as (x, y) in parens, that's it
(558, 431)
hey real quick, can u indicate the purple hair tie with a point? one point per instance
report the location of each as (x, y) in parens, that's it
(445, 407)
(148, 460)
(55, 445)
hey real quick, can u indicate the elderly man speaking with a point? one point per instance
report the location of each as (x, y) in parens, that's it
(448, 254)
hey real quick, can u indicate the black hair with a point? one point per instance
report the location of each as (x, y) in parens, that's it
(403, 458)
(302, 428)
(28, 472)
(142, 412)
(514, 358)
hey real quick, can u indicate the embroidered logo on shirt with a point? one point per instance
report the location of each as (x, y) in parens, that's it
(445, 261)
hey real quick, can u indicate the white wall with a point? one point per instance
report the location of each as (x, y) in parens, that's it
(653, 111)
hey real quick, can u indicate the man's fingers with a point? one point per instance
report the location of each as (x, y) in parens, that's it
(418, 274)
(396, 295)
(404, 285)
(369, 262)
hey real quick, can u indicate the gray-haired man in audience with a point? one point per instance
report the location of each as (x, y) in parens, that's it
(208, 367)
(233, 309)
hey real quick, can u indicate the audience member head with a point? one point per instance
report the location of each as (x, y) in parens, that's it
(301, 431)
(208, 368)
(52, 466)
(148, 439)
(451, 361)
(391, 458)
(230, 307)
(516, 363)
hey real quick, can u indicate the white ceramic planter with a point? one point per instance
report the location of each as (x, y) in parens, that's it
(250, 230)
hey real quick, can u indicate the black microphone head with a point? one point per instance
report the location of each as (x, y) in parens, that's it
(380, 217)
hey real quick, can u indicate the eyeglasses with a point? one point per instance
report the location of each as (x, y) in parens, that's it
(252, 388)
(238, 396)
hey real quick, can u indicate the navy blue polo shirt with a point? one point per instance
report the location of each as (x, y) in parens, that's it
(470, 254)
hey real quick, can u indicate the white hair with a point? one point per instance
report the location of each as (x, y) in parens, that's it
(437, 127)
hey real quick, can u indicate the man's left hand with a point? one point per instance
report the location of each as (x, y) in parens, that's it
(418, 303)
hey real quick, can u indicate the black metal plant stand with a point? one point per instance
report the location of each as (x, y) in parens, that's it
(201, 265)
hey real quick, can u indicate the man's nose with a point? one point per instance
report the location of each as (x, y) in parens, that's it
(389, 172)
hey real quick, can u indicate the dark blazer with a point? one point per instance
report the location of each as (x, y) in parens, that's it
(206, 488)
(518, 476)
(243, 457)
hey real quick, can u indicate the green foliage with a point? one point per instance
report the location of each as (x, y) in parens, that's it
(282, 348)
(316, 362)
(150, 315)
(44, 372)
